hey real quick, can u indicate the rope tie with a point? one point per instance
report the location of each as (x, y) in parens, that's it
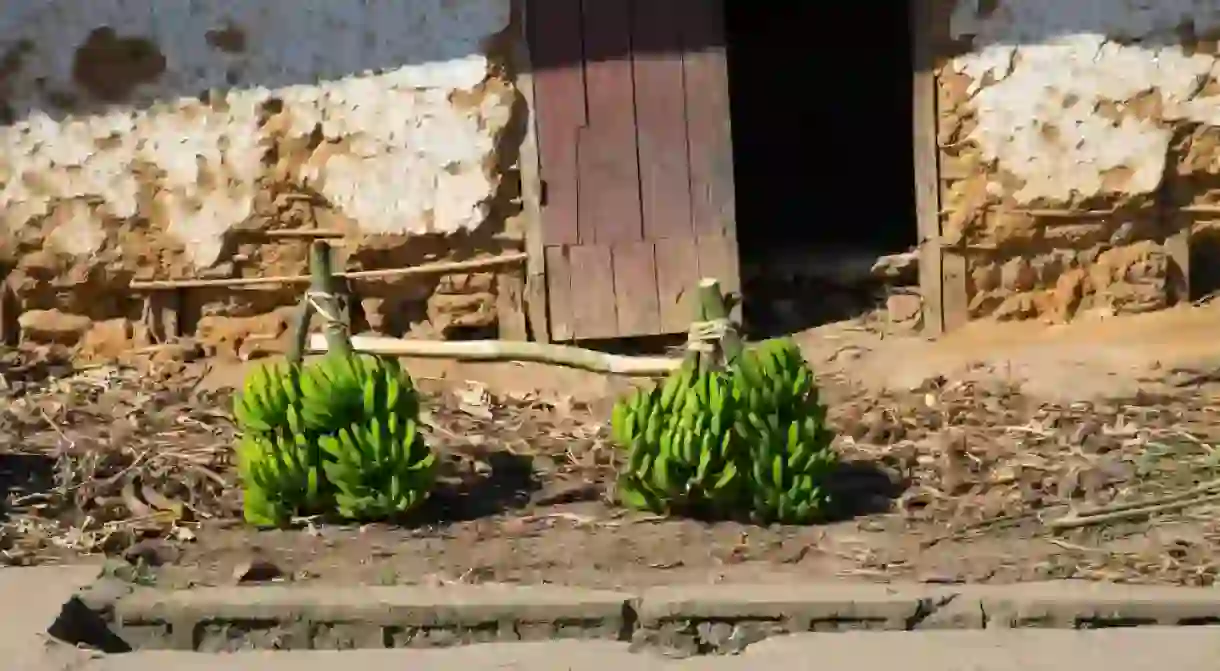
(317, 301)
(704, 336)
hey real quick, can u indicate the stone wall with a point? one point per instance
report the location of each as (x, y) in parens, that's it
(1078, 139)
(153, 139)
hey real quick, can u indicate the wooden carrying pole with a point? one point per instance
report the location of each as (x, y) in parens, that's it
(508, 350)
(724, 344)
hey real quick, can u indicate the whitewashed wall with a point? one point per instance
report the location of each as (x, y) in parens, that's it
(1074, 136)
(105, 119)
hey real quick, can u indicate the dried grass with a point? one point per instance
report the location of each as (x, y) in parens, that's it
(103, 458)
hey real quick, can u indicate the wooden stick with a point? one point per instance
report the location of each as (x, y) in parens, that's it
(502, 350)
(1124, 514)
(300, 233)
(1201, 208)
(440, 268)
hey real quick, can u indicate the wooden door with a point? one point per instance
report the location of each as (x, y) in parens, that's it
(631, 109)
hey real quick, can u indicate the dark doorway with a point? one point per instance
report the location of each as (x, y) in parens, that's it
(823, 160)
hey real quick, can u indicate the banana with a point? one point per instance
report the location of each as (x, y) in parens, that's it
(669, 391)
(660, 472)
(707, 446)
(279, 478)
(705, 462)
(265, 395)
(636, 454)
(380, 469)
(621, 424)
(727, 476)
(667, 442)
(633, 495)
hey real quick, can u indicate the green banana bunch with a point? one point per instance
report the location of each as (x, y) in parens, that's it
(783, 422)
(361, 409)
(379, 469)
(339, 390)
(279, 472)
(682, 455)
(266, 395)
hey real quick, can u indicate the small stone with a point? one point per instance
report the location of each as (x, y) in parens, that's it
(256, 570)
(53, 327)
(151, 552)
(715, 634)
(898, 268)
(904, 307)
(744, 634)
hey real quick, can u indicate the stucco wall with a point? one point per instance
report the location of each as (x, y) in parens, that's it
(1072, 134)
(138, 138)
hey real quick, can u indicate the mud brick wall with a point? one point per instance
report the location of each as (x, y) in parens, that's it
(150, 139)
(1078, 150)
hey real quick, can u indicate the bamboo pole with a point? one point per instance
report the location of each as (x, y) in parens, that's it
(324, 298)
(440, 268)
(713, 308)
(503, 350)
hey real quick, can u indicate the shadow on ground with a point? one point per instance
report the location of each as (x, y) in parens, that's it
(859, 488)
(496, 482)
(22, 475)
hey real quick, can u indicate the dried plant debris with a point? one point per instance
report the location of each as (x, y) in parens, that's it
(136, 462)
(101, 458)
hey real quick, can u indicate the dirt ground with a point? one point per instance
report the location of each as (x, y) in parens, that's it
(965, 456)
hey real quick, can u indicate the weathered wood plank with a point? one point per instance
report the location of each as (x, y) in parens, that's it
(510, 305)
(559, 293)
(557, 54)
(594, 312)
(609, 201)
(927, 178)
(709, 132)
(635, 289)
(677, 280)
(10, 312)
(531, 184)
(660, 110)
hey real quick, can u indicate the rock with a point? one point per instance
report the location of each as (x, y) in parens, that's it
(152, 552)
(109, 339)
(53, 327)
(256, 570)
(898, 268)
(904, 307)
(446, 311)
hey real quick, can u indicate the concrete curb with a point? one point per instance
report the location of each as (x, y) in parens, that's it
(698, 619)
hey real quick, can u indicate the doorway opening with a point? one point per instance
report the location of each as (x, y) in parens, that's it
(823, 158)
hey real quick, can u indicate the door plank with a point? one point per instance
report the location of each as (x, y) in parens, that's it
(594, 312)
(677, 282)
(660, 110)
(557, 54)
(635, 289)
(559, 293)
(713, 204)
(927, 177)
(609, 200)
